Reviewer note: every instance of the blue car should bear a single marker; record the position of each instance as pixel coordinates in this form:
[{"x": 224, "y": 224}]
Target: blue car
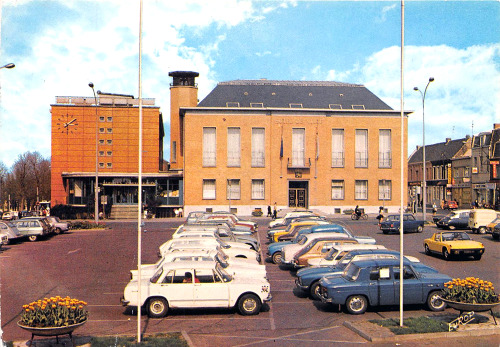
[
  {"x": 308, "y": 278},
  {"x": 376, "y": 283}
]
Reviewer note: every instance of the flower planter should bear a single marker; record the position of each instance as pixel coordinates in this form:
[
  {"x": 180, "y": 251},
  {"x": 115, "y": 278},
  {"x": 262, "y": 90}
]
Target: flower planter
[
  {"x": 464, "y": 306},
  {"x": 52, "y": 331}
]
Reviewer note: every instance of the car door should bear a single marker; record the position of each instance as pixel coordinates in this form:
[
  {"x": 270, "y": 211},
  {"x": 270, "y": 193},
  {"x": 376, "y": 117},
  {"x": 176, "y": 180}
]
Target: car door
[
  {"x": 435, "y": 244},
  {"x": 412, "y": 286},
  {"x": 381, "y": 285},
  {"x": 175, "y": 289},
  {"x": 211, "y": 291},
  {"x": 463, "y": 220},
  {"x": 410, "y": 224}
]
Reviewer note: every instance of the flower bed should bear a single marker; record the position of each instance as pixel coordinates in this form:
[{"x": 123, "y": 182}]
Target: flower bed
[
  {"x": 54, "y": 312},
  {"x": 470, "y": 290}
]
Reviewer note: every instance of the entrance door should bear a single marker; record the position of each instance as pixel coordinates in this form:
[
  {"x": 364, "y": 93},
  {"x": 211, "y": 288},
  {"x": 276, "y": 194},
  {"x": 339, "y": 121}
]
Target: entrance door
[{"x": 298, "y": 194}]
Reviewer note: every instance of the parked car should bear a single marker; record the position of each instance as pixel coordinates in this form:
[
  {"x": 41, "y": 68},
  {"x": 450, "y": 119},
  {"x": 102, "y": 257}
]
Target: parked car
[
  {"x": 8, "y": 215},
  {"x": 453, "y": 243},
  {"x": 480, "y": 218},
  {"x": 338, "y": 252},
  {"x": 33, "y": 228},
  {"x": 376, "y": 283},
  {"x": 10, "y": 230},
  {"x": 289, "y": 251},
  {"x": 4, "y": 238},
  {"x": 336, "y": 227},
  {"x": 318, "y": 248},
  {"x": 496, "y": 232},
  {"x": 491, "y": 226},
  {"x": 234, "y": 266},
  {"x": 197, "y": 285},
  {"x": 410, "y": 224},
  {"x": 290, "y": 215},
  {"x": 458, "y": 219},
  {"x": 294, "y": 227},
  {"x": 225, "y": 235},
  {"x": 450, "y": 205},
  {"x": 58, "y": 226},
  {"x": 308, "y": 278},
  {"x": 274, "y": 250}
]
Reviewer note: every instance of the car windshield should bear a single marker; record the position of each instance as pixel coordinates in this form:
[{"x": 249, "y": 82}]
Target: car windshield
[
  {"x": 223, "y": 274},
  {"x": 455, "y": 236},
  {"x": 156, "y": 276},
  {"x": 351, "y": 272},
  {"x": 221, "y": 261},
  {"x": 302, "y": 239},
  {"x": 223, "y": 244},
  {"x": 221, "y": 254}
]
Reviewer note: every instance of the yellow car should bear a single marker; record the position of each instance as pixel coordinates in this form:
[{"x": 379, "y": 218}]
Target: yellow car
[
  {"x": 453, "y": 243},
  {"x": 492, "y": 225},
  {"x": 290, "y": 232}
]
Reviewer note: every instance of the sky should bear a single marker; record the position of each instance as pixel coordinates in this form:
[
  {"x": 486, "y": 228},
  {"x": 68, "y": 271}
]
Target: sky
[{"x": 60, "y": 46}]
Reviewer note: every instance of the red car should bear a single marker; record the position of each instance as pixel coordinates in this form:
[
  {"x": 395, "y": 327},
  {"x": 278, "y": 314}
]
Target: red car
[{"x": 450, "y": 205}]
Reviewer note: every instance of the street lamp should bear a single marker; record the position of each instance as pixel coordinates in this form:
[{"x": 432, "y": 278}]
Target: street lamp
[
  {"x": 96, "y": 188},
  {"x": 424, "y": 182},
  {"x": 8, "y": 66}
]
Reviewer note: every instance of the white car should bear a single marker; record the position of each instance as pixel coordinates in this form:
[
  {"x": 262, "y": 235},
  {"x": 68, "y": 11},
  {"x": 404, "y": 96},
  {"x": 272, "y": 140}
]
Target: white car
[
  {"x": 279, "y": 221},
  {"x": 235, "y": 251},
  {"x": 197, "y": 285},
  {"x": 337, "y": 252},
  {"x": 234, "y": 266},
  {"x": 224, "y": 235},
  {"x": 289, "y": 251}
]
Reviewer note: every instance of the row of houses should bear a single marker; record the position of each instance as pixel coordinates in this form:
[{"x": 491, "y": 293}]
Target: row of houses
[
  {"x": 465, "y": 170},
  {"x": 248, "y": 144}
]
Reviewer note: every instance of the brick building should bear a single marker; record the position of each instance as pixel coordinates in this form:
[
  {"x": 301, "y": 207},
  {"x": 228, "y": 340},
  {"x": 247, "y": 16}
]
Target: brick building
[
  {"x": 116, "y": 118},
  {"x": 327, "y": 146}
]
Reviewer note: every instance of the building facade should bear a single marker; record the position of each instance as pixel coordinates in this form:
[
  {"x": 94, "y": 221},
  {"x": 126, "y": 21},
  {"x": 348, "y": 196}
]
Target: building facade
[
  {"x": 326, "y": 146},
  {"x": 103, "y": 132}
]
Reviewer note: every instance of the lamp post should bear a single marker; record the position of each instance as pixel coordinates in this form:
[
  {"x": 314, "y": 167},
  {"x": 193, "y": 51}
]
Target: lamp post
[
  {"x": 424, "y": 182},
  {"x": 96, "y": 188},
  {"x": 8, "y": 66}
]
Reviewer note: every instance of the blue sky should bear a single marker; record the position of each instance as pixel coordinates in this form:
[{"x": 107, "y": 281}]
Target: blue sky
[{"x": 60, "y": 46}]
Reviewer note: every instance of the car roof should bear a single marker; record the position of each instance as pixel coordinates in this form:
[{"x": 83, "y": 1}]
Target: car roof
[
  {"x": 327, "y": 226},
  {"x": 191, "y": 252},
  {"x": 374, "y": 251},
  {"x": 360, "y": 246},
  {"x": 183, "y": 264},
  {"x": 380, "y": 262},
  {"x": 316, "y": 236}
]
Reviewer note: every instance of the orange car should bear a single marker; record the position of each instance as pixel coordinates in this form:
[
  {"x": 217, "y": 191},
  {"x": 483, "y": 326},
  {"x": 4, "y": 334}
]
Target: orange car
[{"x": 318, "y": 249}]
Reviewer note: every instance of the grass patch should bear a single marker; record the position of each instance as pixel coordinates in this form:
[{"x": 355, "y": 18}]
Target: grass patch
[
  {"x": 84, "y": 224},
  {"x": 420, "y": 325},
  {"x": 172, "y": 339}
]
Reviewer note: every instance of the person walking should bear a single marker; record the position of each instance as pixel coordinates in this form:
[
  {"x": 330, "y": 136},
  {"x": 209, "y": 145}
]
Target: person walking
[
  {"x": 269, "y": 213},
  {"x": 275, "y": 211}
]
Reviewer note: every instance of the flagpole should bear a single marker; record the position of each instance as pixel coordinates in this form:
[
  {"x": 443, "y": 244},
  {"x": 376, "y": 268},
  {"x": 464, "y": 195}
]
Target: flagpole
[
  {"x": 401, "y": 207},
  {"x": 139, "y": 199}
]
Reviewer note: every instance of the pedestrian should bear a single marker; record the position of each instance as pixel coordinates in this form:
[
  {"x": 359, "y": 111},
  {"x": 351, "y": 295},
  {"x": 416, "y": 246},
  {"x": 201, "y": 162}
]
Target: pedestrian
[
  {"x": 434, "y": 209},
  {"x": 269, "y": 213},
  {"x": 380, "y": 216},
  {"x": 275, "y": 211}
]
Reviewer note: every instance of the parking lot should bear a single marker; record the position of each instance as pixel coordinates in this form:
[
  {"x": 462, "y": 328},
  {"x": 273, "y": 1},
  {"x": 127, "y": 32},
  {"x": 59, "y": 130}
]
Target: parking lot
[{"x": 93, "y": 265}]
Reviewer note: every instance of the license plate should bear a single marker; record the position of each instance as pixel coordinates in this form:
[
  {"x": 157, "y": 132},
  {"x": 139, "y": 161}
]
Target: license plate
[{"x": 469, "y": 252}]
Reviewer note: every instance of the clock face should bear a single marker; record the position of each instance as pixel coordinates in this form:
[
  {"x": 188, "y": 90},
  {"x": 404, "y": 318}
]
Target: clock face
[{"x": 67, "y": 124}]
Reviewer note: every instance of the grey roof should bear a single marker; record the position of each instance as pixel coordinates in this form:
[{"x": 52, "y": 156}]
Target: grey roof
[
  {"x": 495, "y": 143},
  {"x": 293, "y": 94},
  {"x": 438, "y": 151}
]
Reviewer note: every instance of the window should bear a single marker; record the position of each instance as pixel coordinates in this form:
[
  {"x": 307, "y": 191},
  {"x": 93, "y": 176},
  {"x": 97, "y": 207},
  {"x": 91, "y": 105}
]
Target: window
[
  {"x": 109, "y": 142},
  {"x": 209, "y": 147},
  {"x": 101, "y": 130},
  {"x": 385, "y": 190},
  {"x": 337, "y": 190},
  {"x": 256, "y": 104},
  {"x": 110, "y": 130},
  {"x": 109, "y": 153},
  {"x": 258, "y": 147},
  {"x": 233, "y": 147},
  {"x": 101, "y": 119},
  {"x": 233, "y": 190},
  {"x": 110, "y": 119},
  {"x": 338, "y": 148},
  {"x": 298, "y": 147},
  {"x": 101, "y": 153},
  {"x": 361, "y": 190},
  {"x": 109, "y": 165},
  {"x": 101, "y": 165},
  {"x": 257, "y": 189},
  {"x": 209, "y": 189},
  {"x": 101, "y": 142},
  {"x": 361, "y": 148},
  {"x": 174, "y": 151},
  {"x": 384, "y": 150}
]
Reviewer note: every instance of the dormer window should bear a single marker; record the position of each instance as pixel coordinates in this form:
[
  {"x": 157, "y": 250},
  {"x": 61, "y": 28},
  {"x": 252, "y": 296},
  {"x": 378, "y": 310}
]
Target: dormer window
[
  {"x": 232, "y": 104},
  {"x": 295, "y": 105}
]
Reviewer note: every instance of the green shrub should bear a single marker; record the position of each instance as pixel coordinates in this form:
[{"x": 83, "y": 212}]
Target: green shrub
[
  {"x": 84, "y": 224},
  {"x": 419, "y": 325}
]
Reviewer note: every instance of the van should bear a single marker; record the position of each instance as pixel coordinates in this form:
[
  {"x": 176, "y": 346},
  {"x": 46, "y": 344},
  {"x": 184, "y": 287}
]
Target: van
[{"x": 480, "y": 218}]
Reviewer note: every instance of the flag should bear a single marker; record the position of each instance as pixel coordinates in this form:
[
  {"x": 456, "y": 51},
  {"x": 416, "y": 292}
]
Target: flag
[{"x": 281, "y": 148}]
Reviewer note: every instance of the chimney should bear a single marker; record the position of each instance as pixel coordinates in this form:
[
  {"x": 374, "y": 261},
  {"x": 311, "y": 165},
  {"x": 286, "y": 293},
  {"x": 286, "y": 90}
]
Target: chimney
[
  {"x": 448, "y": 139},
  {"x": 496, "y": 125},
  {"x": 183, "y": 93}
]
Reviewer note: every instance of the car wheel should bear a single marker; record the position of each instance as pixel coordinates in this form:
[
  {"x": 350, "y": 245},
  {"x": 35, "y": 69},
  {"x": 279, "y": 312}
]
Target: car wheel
[
  {"x": 249, "y": 304},
  {"x": 427, "y": 250},
  {"x": 434, "y": 302},
  {"x": 33, "y": 238},
  {"x": 157, "y": 308},
  {"x": 277, "y": 258},
  {"x": 477, "y": 256},
  {"x": 385, "y": 231},
  {"x": 420, "y": 229},
  {"x": 495, "y": 236},
  {"x": 356, "y": 304},
  {"x": 451, "y": 227},
  {"x": 446, "y": 254},
  {"x": 57, "y": 231},
  {"x": 314, "y": 290},
  {"x": 482, "y": 230}
]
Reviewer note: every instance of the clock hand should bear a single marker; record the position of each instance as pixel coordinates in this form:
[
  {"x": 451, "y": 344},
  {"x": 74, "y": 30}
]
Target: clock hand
[{"x": 71, "y": 121}]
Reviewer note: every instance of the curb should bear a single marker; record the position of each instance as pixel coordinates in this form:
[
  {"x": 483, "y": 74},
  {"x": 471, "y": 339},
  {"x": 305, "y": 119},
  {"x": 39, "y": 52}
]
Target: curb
[{"x": 375, "y": 333}]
